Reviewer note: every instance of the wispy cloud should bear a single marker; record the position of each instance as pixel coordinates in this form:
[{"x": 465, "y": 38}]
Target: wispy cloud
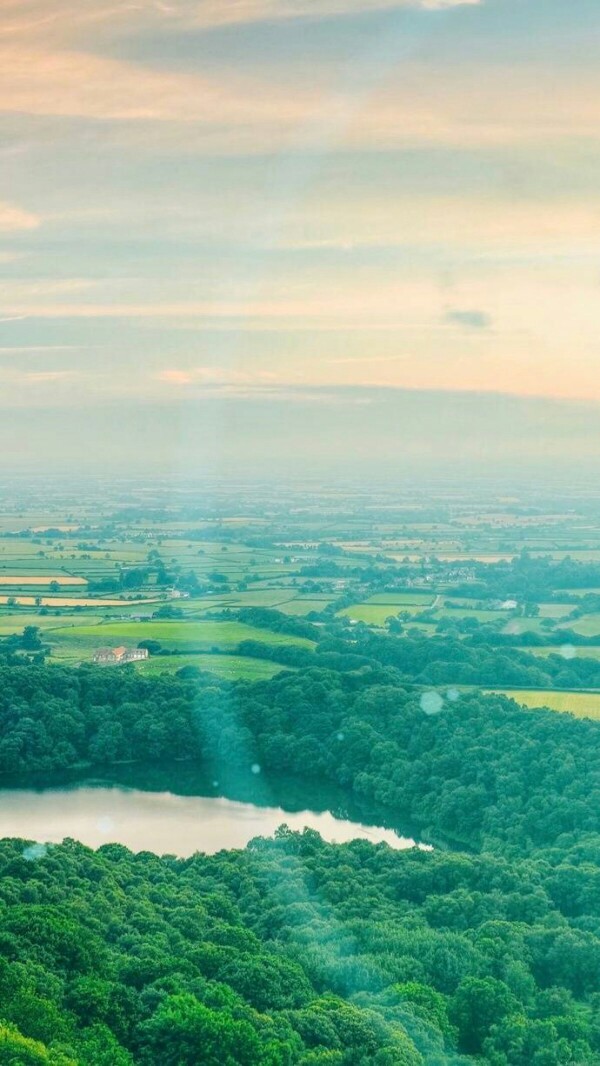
[
  {"x": 52, "y": 64},
  {"x": 70, "y": 18},
  {"x": 214, "y": 376},
  {"x": 55, "y": 60},
  {"x": 216, "y": 13},
  {"x": 44, "y": 376},
  {"x": 223, "y": 383},
  {"x": 378, "y": 218},
  {"x": 452, "y": 169},
  {"x": 175, "y": 377},
  {"x": 322, "y": 303},
  {"x": 14, "y": 218},
  {"x": 17, "y": 378},
  {"x": 48, "y": 18},
  {"x": 79, "y": 84},
  {"x": 228, "y": 113},
  {"x": 28, "y": 349},
  {"x": 23, "y": 289}
]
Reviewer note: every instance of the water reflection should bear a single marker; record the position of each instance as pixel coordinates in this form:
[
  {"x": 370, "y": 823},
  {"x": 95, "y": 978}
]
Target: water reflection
[{"x": 164, "y": 822}]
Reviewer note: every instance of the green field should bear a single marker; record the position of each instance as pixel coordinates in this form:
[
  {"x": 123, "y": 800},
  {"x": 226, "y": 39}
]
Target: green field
[
  {"x": 230, "y": 667},
  {"x": 555, "y": 610},
  {"x": 580, "y": 592},
  {"x": 80, "y": 642},
  {"x": 14, "y": 622},
  {"x": 469, "y": 612},
  {"x": 285, "y": 600},
  {"x": 527, "y": 625},
  {"x": 401, "y": 599},
  {"x": 581, "y": 704},
  {"x": 373, "y": 614},
  {"x": 574, "y": 652},
  {"x": 589, "y": 626},
  {"x": 303, "y": 605}
]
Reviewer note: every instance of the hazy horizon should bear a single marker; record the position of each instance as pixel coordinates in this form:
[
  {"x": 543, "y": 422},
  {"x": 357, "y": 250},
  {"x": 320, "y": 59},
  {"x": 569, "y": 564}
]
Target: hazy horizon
[{"x": 343, "y": 432}]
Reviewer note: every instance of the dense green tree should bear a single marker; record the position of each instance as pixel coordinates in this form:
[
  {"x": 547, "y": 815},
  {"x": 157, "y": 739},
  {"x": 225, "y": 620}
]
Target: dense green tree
[{"x": 479, "y": 1004}]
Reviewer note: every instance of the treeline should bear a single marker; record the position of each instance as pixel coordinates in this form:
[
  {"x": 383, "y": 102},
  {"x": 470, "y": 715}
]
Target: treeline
[
  {"x": 468, "y": 661},
  {"x": 468, "y": 768},
  {"x": 291, "y": 953},
  {"x": 492, "y": 633},
  {"x": 339, "y": 656},
  {"x": 278, "y": 622},
  {"x": 533, "y": 579},
  {"x": 486, "y": 659}
]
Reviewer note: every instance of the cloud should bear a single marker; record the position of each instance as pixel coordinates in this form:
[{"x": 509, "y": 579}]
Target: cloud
[
  {"x": 36, "y": 81},
  {"x": 479, "y": 104},
  {"x": 175, "y": 377},
  {"x": 13, "y": 218},
  {"x": 47, "y": 68},
  {"x": 230, "y": 382},
  {"x": 55, "y": 61},
  {"x": 216, "y": 377},
  {"x": 21, "y": 379},
  {"x": 484, "y": 224},
  {"x": 471, "y": 319},
  {"x": 25, "y": 289},
  {"x": 27, "y": 349},
  {"x": 211, "y": 13},
  {"x": 325, "y": 301},
  {"x": 69, "y": 19},
  {"x": 44, "y": 376}
]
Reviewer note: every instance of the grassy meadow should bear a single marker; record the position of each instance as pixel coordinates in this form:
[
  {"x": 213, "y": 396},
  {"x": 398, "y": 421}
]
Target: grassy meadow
[
  {"x": 230, "y": 667},
  {"x": 580, "y": 704},
  {"x": 79, "y": 642}
]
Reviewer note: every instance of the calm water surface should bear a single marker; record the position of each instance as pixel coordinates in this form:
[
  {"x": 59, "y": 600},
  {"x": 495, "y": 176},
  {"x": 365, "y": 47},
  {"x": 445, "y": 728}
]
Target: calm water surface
[{"x": 163, "y": 822}]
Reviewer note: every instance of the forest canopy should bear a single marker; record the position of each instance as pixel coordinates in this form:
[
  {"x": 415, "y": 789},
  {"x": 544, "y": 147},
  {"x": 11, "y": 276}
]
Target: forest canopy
[{"x": 294, "y": 951}]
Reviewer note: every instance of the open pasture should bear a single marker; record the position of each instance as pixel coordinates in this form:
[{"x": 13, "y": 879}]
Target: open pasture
[
  {"x": 584, "y": 555},
  {"x": 515, "y": 626},
  {"x": 229, "y": 667},
  {"x": 580, "y": 592},
  {"x": 70, "y": 601},
  {"x": 470, "y": 612},
  {"x": 272, "y": 598},
  {"x": 588, "y": 626},
  {"x": 580, "y": 704},
  {"x": 373, "y": 614},
  {"x": 569, "y": 651},
  {"x": 473, "y": 556},
  {"x": 556, "y": 610},
  {"x": 401, "y": 599},
  {"x": 13, "y": 622},
  {"x": 41, "y": 580},
  {"x": 287, "y": 600},
  {"x": 303, "y": 605},
  {"x": 184, "y": 636}
]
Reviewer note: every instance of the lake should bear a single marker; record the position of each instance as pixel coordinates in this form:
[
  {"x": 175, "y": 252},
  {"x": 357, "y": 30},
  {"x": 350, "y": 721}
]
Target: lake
[{"x": 163, "y": 822}]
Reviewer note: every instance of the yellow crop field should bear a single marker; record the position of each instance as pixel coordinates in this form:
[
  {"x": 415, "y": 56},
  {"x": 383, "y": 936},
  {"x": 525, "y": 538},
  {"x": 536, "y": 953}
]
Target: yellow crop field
[
  {"x": 581, "y": 704},
  {"x": 34, "y": 579},
  {"x": 70, "y": 601}
]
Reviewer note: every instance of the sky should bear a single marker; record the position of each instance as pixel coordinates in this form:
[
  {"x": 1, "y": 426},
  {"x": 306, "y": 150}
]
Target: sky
[{"x": 279, "y": 217}]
